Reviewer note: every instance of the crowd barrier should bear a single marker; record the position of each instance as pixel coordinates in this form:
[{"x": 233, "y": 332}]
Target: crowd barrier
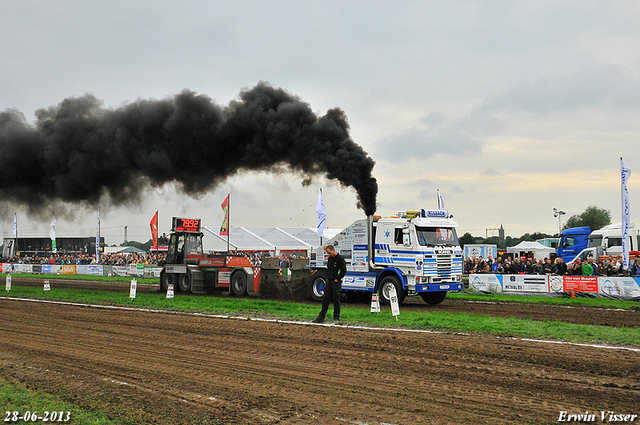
[
  {"x": 139, "y": 270},
  {"x": 613, "y": 286}
]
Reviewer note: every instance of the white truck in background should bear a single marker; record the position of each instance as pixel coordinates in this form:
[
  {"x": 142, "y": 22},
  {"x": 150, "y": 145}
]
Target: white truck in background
[
  {"x": 417, "y": 252},
  {"x": 608, "y": 241}
]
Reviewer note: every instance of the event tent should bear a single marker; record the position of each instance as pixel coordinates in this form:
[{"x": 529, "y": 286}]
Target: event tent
[
  {"x": 539, "y": 251},
  {"x": 273, "y": 239}
]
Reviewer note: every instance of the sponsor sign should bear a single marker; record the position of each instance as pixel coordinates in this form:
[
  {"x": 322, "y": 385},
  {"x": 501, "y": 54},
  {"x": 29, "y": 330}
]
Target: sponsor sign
[
  {"x": 8, "y": 283},
  {"x": 170, "y": 291},
  {"x": 580, "y": 284},
  {"x": 395, "y": 305},
  {"x": 133, "y": 288},
  {"x": 47, "y": 286},
  {"x": 176, "y": 269},
  {"x": 486, "y": 282},
  {"x": 525, "y": 283},
  {"x": 69, "y": 269},
  {"x": 359, "y": 260},
  {"x": 375, "y": 303}
]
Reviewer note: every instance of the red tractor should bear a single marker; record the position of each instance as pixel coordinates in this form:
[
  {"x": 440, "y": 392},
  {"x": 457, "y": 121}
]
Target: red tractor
[{"x": 189, "y": 270}]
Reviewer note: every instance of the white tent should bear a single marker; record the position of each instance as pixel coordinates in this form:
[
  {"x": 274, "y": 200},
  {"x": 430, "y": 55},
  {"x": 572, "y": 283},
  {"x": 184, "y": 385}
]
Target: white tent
[
  {"x": 539, "y": 251},
  {"x": 274, "y": 239}
]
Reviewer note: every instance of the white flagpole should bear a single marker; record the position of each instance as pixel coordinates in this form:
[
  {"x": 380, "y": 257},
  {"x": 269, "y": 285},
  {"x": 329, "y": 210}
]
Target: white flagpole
[
  {"x": 626, "y": 213},
  {"x": 98, "y": 239},
  {"x": 322, "y": 216}
]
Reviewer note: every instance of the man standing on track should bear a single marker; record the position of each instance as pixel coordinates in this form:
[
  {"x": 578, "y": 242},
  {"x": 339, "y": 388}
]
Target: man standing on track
[{"x": 336, "y": 269}]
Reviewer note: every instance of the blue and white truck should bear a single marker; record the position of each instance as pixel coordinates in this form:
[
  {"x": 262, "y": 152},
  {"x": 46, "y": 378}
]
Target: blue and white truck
[
  {"x": 572, "y": 242},
  {"x": 417, "y": 252}
]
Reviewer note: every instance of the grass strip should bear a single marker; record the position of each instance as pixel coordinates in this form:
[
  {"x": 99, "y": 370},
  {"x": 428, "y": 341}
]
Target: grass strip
[
  {"x": 427, "y": 320},
  {"x": 16, "y": 401},
  {"x": 577, "y": 301},
  {"x": 83, "y": 277}
]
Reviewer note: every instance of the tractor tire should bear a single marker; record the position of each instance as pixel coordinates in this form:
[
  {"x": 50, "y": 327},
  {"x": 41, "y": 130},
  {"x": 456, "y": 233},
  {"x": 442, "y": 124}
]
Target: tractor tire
[
  {"x": 239, "y": 283},
  {"x": 166, "y": 279},
  {"x": 184, "y": 282},
  {"x": 317, "y": 281},
  {"x": 385, "y": 290},
  {"x": 433, "y": 298}
]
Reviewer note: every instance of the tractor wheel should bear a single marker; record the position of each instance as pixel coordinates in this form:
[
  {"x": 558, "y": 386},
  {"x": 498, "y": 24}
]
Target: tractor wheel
[
  {"x": 433, "y": 298},
  {"x": 239, "y": 283},
  {"x": 317, "y": 281},
  {"x": 385, "y": 290},
  {"x": 166, "y": 279},
  {"x": 184, "y": 282}
]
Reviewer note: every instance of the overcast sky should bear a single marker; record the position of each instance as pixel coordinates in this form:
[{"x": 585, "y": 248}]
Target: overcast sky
[{"x": 510, "y": 108}]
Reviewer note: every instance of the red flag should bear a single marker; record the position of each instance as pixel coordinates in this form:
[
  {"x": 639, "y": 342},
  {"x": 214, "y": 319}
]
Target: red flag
[
  {"x": 154, "y": 230},
  {"x": 224, "y": 228}
]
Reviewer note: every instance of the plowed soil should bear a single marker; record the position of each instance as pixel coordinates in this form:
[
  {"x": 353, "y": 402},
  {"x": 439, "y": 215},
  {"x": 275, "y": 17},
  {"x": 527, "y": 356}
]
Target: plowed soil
[{"x": 168, "y": 368}]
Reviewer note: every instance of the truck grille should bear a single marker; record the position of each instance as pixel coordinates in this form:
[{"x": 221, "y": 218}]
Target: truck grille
[{"x": 444, "y": 262}]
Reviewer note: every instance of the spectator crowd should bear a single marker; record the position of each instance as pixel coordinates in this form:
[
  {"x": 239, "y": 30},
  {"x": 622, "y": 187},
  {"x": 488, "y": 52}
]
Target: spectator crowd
[
  {"x": 83, "y": 259},
  {"x": 524, "y": 265}
]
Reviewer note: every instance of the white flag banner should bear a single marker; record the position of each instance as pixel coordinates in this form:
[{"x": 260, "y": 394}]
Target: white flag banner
[
  {"x": 52, "y": 234},
  {"x": 626, "y": 214},
  {"x": 98, "y": 239},
  {"x": 322, "y": 215},
  {"x": 15, "y": 225}
]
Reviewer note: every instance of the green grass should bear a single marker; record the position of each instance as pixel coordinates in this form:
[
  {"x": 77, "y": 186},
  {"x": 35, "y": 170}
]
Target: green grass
[
  {"x": 14, "y": 397},
  {"x": 45, "y": 276},
  {"x": 577, "y": 301},
  {"x": 352, "y": 314}
]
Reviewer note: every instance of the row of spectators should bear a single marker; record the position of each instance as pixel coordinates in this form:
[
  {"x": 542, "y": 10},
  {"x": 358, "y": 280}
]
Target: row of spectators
[
  {"x": 84, "y": 259},
  {"x": 114, "y": 259},
  {"x": 589, "y": 267}
]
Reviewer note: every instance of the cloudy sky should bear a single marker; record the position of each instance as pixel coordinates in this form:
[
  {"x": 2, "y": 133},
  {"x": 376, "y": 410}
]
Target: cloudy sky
[{"x": 511, "y": 109}]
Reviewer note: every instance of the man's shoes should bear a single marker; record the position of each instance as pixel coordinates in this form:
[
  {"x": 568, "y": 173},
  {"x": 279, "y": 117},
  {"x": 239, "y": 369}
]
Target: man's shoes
[
  {"x": 337, "y": 321},
  {"x": 318, "y": 320}
]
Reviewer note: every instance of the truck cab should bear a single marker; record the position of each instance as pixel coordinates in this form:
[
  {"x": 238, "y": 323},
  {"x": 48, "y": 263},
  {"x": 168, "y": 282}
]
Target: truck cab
[
  {"x": 572, "y": 242},
  {"x": 417, "y": 253}
]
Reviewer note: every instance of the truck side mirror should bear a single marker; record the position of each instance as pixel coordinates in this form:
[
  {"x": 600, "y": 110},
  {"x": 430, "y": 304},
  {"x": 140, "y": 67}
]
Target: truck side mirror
[{"x": 406, "y": 240}]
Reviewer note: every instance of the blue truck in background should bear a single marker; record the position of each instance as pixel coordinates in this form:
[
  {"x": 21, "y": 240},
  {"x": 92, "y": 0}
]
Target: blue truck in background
[{"x": 573, "y": 241}]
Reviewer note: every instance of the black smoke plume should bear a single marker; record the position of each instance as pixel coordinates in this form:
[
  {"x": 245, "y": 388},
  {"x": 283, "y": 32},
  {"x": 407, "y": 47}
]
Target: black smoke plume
[{"x": 80, "y": 152}]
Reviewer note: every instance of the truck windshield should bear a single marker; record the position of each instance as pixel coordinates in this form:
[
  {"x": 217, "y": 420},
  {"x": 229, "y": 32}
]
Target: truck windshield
[
  {"x": 432, "y": 236},
  {"x": 194, "y": 245},
  {"x": 595, "y": 241}
]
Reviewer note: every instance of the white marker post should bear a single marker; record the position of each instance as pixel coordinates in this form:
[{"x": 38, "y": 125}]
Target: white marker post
[
  {"x": 170, "y": 291},
  {"x": 395, "y": 306},
  {"x": 47, "y": 286},
  {"x": 8, "y": 282},
  {"x": 134, "y": 287},
  {"x": 375, "y": 303}
]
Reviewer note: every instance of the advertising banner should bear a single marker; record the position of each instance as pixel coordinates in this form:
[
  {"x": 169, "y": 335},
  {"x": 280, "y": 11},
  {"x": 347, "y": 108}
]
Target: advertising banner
[
  {"x": 580, "y": 284},
  {"x": 486, "y": 282},
  {"x": 525, "y": 283},
  {"x": 90, "y": 269},
  {"x": 69, "y": 269}
]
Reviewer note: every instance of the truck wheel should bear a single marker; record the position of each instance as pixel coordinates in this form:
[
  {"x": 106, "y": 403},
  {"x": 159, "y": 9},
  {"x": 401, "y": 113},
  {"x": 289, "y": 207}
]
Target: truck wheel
[
  {"x": 184, "y": 282},
  {"x": 317, "y": 282},
  {"x": 166, "y": 279},
  {"x": 239, "y": 283},
  {"x": 385, "y": 290},
  {"x": 433, "y": 298}
]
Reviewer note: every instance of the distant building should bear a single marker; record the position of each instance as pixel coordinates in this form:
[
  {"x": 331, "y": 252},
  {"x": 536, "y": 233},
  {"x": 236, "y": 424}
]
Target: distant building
[{"x": 501, "y": 233}]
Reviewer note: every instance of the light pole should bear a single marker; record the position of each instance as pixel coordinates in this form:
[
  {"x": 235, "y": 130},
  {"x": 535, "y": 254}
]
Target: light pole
[{"x": 558, "y": 213}]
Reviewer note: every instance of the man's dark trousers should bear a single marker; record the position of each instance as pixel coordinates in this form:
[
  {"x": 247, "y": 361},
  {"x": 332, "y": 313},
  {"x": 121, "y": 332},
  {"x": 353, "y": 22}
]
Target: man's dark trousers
[{"x": 332, "y": 291}]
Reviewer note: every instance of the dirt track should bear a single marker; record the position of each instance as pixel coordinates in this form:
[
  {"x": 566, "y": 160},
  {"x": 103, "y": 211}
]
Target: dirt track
[{"x": 170, "y": 368}]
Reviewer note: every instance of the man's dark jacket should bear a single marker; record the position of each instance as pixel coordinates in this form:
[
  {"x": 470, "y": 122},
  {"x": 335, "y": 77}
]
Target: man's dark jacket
[{"x": 336, "y": 267}]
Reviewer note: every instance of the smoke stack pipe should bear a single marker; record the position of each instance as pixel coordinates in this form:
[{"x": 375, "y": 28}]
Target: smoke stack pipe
[{"x": 371, "y": 244}]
